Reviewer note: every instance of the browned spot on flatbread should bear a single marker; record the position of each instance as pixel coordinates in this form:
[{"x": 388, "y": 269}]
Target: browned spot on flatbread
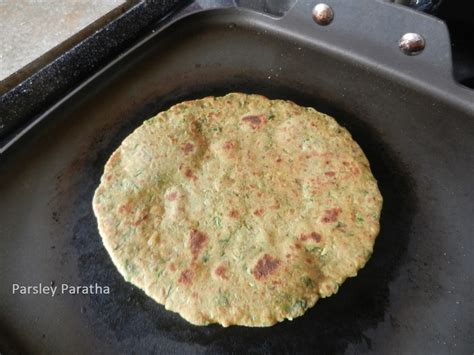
[
  {"x": 255, "y": 121},
  {"x": 172, "y": 196},
  {"x": 172, "y": 267},
  {"x": 126, "y": 208},
  {"x": 197, "y": 240},
  {"x": 186, "y": 277},
  {"x": 221, "y": 271},
  {"x": 197, "y": 135},
  {"x": 187, "y": 148},
  {"x": 228, "y": 145},
  {"x": 259, "y": 212},
  {"x": 233, "y": 214},
  {"x": 265, "y": 266},
  {"x": 330, "y": 173},
  {"x": 141, "y": 218},
  {"x": 313, "y": 235},
  {"x": 331, "y": 215},
  {"x": 189, "y": 174},
  {"x": 173, "y": 139},
  {"x": 353, "y": 216}
]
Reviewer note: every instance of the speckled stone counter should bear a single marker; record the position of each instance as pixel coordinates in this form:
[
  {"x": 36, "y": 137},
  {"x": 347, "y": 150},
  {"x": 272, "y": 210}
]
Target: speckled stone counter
[{"x": 29, "y": 28}]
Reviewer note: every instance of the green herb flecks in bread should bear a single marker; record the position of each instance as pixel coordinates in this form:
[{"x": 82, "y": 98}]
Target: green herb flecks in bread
[{"x": 238, "y": 209}]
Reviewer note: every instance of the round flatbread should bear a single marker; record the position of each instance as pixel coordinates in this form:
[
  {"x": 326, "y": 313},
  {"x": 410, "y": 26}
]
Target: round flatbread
[{"x": 238, "y": 209}]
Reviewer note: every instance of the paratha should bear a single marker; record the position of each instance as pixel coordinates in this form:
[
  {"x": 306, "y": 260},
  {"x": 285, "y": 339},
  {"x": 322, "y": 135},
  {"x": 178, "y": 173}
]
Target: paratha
[{"x": 238, "y": 209}]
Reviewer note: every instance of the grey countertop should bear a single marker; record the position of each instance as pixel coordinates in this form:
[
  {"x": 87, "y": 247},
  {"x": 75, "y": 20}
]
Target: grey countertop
[{"x": 29, "y": 28}]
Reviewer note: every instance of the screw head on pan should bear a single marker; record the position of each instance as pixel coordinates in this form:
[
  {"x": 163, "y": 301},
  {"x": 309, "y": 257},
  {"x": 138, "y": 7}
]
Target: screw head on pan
[
  {"x": 322, "y": 14},
  {"x": 411, "y": 43}
]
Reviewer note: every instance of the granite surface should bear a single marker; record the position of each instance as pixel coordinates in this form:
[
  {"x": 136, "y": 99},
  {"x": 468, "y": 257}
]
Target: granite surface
[
  {"x": 29, "y": 28},
  {"x": 30, "y": 91}
]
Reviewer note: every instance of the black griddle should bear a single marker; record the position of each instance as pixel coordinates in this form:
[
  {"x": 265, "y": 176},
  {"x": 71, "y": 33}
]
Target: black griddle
[{"x": 415, "y": 124}]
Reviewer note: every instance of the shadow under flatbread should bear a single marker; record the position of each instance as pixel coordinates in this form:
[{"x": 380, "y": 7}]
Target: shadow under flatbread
[{"x": 329, "y": 327}]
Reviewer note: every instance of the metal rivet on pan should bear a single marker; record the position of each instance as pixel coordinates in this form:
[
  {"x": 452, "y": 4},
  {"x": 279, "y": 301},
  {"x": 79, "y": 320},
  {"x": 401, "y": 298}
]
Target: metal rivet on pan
[
  {"x": 322, "y": 14},
  {"x": 411, "y": 43}
]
